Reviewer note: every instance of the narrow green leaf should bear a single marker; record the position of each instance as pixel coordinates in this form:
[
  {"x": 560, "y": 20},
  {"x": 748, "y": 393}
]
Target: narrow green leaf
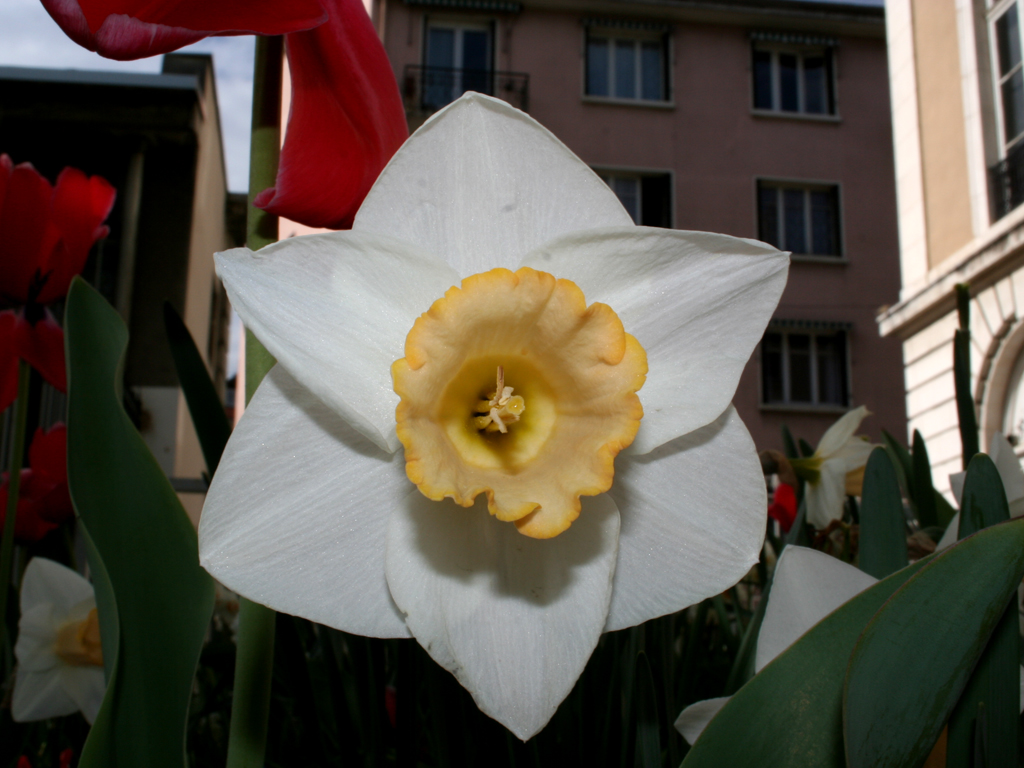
[
  {"x": 648, "y": 737},
  {"x": 789, "y": 444},
  {"x": 964, "y": 399},
  {"x": 993, "y": 688},
  {"x": 147, "y": 546},
  {"x": 916, "y": 654},
  {"x": 924, "y": 491},
  {"x": 963, "y": 305},
  {"x": 790, "y": 714},
  {"x": 806, "y": 449},
  {"x": 902, "y": 462},
  {"x": 798, "y": 531},
  {"x": 204, "y": 404},
  {"x": 883, "y": 538}
]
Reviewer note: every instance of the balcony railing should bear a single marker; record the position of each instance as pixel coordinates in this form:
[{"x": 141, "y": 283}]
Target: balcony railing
[
  {"x": 427, "y": 89},
  {"x": 1007, "y": 182}
]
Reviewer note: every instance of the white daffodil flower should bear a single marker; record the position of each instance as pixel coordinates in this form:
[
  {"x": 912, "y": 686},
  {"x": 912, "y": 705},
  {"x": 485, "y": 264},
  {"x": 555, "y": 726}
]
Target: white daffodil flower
[
  {"x": 60, "y": 661},
  {"x": 835, "y": 469},
  {"x": 808, "y": 585},
  {"x": 1008, "y": 465},
  {"x": 513, "y": 397}
]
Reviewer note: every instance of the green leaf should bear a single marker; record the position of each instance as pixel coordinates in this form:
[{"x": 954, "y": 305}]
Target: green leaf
[
  {"x": 806, "y": 449},
  {"x": 902, "y": 462},
  {"x": 943, "y": 510},
  {"x": 924, "y": 491},
  {"x": 648, "y": 738},
  {"x": 916, "y": 654},
  {"x": 147, "y": 546},
  {"x": 993, "y": 688},
  {"x": 964, "y": 400},
  {"x": 790, "y": 714},
  {"x": 789, "y": 444},
  {"x": 204, "y": 404},
  {"x": 883, "y": 538}
]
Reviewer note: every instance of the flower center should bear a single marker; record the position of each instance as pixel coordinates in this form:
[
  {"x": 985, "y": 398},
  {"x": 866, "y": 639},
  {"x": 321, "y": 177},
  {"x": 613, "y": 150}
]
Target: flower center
[
  {"x": 78, "y": 642},
  {"x": 467, "y": 431},
  {"x": 500, "y": 409}
]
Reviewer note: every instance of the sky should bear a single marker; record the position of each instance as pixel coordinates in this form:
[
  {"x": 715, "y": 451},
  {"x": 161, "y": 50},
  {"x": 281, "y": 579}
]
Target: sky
[{"x": 30, "y": 38}]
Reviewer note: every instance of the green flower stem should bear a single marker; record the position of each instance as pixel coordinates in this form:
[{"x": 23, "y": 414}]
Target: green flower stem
[
  {"x": 254, "y": 664},
  {"x": 13, "y": 489}
]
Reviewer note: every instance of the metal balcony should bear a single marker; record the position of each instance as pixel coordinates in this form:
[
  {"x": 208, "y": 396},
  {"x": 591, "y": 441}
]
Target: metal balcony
[
  {"x": 1006, "y": 179},
  {"x": 427, "y": 89}
]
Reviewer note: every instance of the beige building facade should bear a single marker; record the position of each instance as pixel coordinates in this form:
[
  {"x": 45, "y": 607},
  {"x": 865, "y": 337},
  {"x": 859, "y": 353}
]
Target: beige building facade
[{"x": 957, "y": 88}]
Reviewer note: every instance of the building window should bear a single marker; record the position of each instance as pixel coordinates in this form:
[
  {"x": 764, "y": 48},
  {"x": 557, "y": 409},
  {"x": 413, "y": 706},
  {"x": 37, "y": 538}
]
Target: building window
[
  {"x": 647, "y": 197},
  {"x": 621, "y": 67},
  {"x": 800, "y": 219},
  {"x": 457, "y": 58},
  {"x": 1010, "y": 76},
  {"x": 793, "y": 80},
  {"x": 804, "y": 368}
]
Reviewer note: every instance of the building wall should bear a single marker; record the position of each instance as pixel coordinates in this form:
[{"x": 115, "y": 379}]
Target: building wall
[
  {"x": 716, "y": 148},
  {"x": 943, "y": 141}
]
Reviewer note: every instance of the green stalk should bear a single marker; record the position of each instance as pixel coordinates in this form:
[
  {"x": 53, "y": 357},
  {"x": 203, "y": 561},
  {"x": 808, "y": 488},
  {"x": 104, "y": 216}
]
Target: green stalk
[
  {"x": 254, "y": 664},
  {"x": 13, "y": 489}
]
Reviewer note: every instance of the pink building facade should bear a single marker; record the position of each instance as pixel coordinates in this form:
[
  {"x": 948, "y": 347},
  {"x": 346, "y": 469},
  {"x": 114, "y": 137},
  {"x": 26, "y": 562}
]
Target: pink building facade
[{"x": 766, "y": 120}]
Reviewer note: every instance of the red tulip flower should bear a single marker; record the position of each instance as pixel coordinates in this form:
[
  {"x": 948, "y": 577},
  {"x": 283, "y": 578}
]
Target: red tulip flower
[
  {"x": 45, "y": 235},
  {"x": 346, "y": 119},
  {"x": 44, "y": 501},
  {"x": 783, "y": 506}
]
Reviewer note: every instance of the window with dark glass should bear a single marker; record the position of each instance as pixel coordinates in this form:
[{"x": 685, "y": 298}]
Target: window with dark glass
[
  {"x": 804, "y": 368},
  {"x": 793, "y": 81},
  {"x": 647, "y": 197},
  {"x": 621, "y": 67},
  {"x": 457, "y": 59},
  {"x": 1011, "y": 75},
  {"x": 801, "y": 219}
]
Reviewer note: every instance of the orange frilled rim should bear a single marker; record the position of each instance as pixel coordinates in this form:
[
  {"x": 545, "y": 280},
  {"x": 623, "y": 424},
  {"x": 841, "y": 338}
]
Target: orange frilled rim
[{"x": 576, "y": 369}]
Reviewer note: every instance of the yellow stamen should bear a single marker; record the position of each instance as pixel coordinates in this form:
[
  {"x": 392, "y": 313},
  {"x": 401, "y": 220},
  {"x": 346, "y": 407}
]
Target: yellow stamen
[
  {"x": 501, "y": 409},
  {"x": 78, "y": 642}
]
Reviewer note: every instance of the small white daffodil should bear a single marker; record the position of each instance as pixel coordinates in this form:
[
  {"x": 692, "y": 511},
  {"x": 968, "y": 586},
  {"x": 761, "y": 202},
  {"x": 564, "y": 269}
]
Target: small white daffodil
[
  {"x": 60, "y": 661},
  {"x": 501, "y": 417},
  {"x": 835, "y": 469}
]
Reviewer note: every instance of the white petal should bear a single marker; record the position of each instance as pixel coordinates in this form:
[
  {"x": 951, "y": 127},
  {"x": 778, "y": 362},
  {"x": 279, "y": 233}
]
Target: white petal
[
  {"x": 695, "y": 718},
  {"x": 949, "y": 537},
  {"x": 693, "y": 520},
  {"x": 513, "y": 618},
  {"x": 334, "y": 310},
  {"x": 86, "y": 687},
  {"x": 825, "y": 498},
  {"x": 482, "y": 183},
  {"x": 48, "y": 582},
  {"x": 841, "y": 432},
  {"x": 296, "y": 516},
  {"x": 37, "y": 632},
  {"x": 40, "y": 695},
  {"x": 1008, "y": 464},
  {"x": 854, "y": 454},
  {"x": 808, "y": 585},
  {"x": 697, "y": 302}
]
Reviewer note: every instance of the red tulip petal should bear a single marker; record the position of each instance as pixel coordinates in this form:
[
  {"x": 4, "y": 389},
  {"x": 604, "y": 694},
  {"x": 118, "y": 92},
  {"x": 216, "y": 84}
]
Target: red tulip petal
[
  {"x": 41, "y": 345},
  {"x": 48, "y": 454},
  {"x": 134, "y": 29},
  {"x": 29, "y": 525},
  {"x": 346, "y": 120},
  {"x": 27, "y": 230},
  {"x": 80, "y": 206},
  {"x": 8, "y": 360}
]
